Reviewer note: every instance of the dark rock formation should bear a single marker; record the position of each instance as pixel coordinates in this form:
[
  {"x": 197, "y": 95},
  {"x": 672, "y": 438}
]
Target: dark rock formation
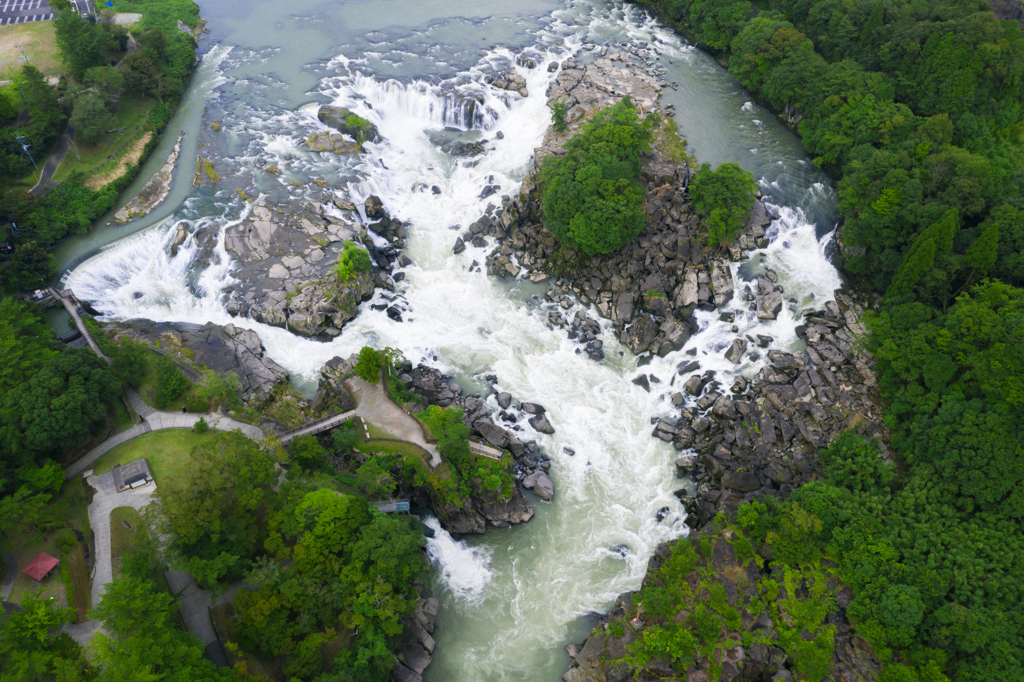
[
  {"x": 341, "y": 119},
  {"x": 224, "y": 350}
]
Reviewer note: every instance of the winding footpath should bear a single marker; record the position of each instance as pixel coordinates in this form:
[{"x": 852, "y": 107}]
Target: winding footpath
[{"x": 155, "y": 420}]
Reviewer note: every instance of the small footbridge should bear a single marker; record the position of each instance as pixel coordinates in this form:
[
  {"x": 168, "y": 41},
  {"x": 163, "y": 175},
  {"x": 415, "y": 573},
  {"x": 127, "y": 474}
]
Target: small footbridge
[{"x": 319, "y": 426}]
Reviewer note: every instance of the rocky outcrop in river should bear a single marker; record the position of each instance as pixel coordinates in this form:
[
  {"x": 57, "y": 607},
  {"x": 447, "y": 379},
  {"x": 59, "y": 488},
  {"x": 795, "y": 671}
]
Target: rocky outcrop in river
[
  {"x": 762, "y": 437},
  {"x": 223, "y": 349},
  {"x": 287, "y": 261},
  {"x": 649, "y": 288}
]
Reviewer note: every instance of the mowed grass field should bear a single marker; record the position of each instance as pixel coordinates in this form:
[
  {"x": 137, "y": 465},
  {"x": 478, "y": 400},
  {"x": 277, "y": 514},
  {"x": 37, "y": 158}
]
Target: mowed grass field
[
  {"x": 39, "y": 43},
  {"x": 168, "y": 452}
]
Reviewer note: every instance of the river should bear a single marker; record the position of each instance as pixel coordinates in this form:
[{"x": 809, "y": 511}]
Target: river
[{"x": 510, "y": 599}]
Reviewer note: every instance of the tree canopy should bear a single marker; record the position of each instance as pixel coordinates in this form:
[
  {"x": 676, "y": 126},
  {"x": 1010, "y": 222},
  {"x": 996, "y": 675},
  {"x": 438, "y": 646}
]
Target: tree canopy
[
  {"x": 592, "y": 196},
  {"x": 725, "y": 197}
]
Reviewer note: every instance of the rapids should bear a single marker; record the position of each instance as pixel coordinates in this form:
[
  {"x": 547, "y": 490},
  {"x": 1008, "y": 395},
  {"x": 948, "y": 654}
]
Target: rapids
[{"x": 510, "y": 599}]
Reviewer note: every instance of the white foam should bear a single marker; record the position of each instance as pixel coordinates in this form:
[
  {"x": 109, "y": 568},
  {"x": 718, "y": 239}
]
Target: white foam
[{"x": 462, "y": 570}]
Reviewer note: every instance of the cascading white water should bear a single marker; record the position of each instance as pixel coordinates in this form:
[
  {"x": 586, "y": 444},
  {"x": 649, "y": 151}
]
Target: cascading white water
[
  {"x": 463, "y": 569},
  {"x": 511, "y": 598}
]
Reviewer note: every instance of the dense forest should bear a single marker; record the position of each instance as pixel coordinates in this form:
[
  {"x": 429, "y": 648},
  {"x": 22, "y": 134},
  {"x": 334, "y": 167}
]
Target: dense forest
[{"x": 915, "y": 109}]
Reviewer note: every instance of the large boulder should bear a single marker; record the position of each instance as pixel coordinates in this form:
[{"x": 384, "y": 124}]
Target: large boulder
[
  {"x": 345, "y": 121},
  {"x": 224, "y": 349}
]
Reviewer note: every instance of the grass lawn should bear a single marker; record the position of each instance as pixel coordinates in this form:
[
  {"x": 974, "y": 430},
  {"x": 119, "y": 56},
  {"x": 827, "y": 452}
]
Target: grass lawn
[
  {"x": 122, "y": 537},
  {"x": 101, "y": 159},
  {"x": 39, "y": 43},
  {"x": 166, "y": 451}
]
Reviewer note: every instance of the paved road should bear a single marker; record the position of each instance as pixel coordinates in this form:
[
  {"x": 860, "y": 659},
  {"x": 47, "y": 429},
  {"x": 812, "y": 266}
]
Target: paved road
[
  {"x": 377, "y": 408},
  {"x": 12, "y": 573},
  {"x": 24, "y": 11},
  {"x": 53, "y": 160}
]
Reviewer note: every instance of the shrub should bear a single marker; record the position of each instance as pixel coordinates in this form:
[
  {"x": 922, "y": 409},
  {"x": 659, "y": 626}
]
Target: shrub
[
  {"x": 593, "y": 196},
  {"x": 131, "y": 360},
  {"x": 369, "y": 365},
  {"x": 352, "y": 261},
  {"x": 345, "y": 437},
  {"x": 724, "y": 196},
  {"x": 201, "y": 426},
  {"x": 170, "y": 382},
  {"x": 558, "y": 114},
  {"x": 197, "y": 405}
]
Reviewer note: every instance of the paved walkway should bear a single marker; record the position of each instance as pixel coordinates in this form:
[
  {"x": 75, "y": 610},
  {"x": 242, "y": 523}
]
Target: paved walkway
[
  {"x": 195, "y": 603},
  {"x": 12, "y": 573},
  {"x": 71, "y": 305},
  {"x": 104, "y": 501},
  {"x": 53, "y": 160},
  {"x": 154, "y": 420},
  {"x": 380, "y": 410}
]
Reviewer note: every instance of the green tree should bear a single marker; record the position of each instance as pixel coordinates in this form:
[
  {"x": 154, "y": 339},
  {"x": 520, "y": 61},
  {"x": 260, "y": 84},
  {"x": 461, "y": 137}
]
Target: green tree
[
  {"x": 307, "y": 450},
  {"x": 345, "y": 437},
  {"x": 63, "y": 403},
  {"x": 725, "y": 197},
  {"x": 140, "y": 641},
  {"x": 32, "y": 264},
  {"x": 374, "y": 478},
  {"x": 170, "y": 382},
  {"x": 222, "y": 388},
  {"x": 33, "y": 648},
  {"x": 91, "y": 118},
  {"x": 131, "y": 361},
  {"x": 558, "y": 114},
  {"x": 331, "y": 523},
  {"x": 369, "y": 365},
  {"x": 207, "y": 513},
  {"x": 592, "y": 196},
  {"x": 81, "y": 41},
  {"x": 108, "y": 82},
  {"x": 26, "y": 342}
]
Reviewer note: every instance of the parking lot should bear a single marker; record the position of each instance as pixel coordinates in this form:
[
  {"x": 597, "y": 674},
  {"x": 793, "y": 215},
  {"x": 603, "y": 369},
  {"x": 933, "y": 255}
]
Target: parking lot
[{"x": 23, "y": 11}]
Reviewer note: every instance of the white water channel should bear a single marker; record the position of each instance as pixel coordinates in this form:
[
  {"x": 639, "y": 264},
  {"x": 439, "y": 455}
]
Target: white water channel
[{"x": 511, "y": 599}]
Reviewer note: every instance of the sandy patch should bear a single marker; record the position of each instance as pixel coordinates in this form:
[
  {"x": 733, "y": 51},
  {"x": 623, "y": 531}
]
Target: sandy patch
[
  {"x": 126, "y": 18},
  {"x": 129, "y": 158}
]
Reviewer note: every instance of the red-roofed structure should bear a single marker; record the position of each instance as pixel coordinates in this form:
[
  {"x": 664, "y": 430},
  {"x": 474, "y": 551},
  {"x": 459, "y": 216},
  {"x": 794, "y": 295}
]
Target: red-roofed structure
[{"x": 40, "y": 567}]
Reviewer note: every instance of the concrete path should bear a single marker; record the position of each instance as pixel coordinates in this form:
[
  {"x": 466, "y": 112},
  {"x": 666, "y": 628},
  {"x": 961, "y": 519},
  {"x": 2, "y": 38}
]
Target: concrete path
[
  {"x": 52, "y": 161},
  {"x": 195, "y": 609},
  {"x": 380, "y": 410},
  {"x": 154, "y": 420},
  {"x": 71, "y": 305},
  {"x": 104, "y": 501},
  {"x": 12, "y": 573},
  {"x": 103, "y": 448}
]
